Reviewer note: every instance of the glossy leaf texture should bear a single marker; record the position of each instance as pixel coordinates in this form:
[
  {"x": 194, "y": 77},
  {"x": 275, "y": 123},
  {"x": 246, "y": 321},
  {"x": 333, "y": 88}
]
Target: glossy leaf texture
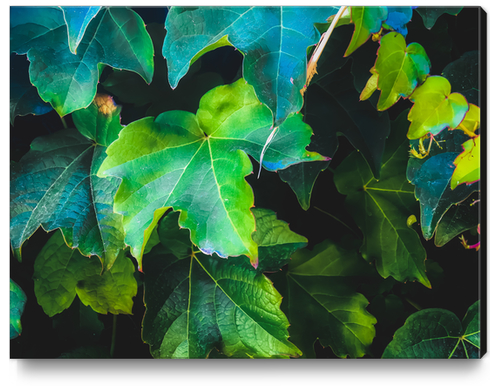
[
  {"x": 381, "y": 208},
  {"x": 62, "y": 273},
  {"x": 456, "y": 220},
  {"x": 321, "y": 302},
  {"x": 367, "y": 20},
  {"x": 24, "y": 98},
  {"x": 333, "y": 108},
  {"x": 18, "y": 300},
  {"x": 77, "y": 20},
  {"x": 400, "y": 69},
  {"x": 55, "y": 186},
  {"x": 273, "y": 40},
  {"x": 115, "y": 36},
  {"x": 437, "y": 333},
  {"x": 157, "y": 97},
  {"x": 431, "y": 14},
  {"x": 398, "y": 18},
  {"x": 196, "y": 302},
  {"x": 197, "y": 164},
  {"x": 432, "y": 175},
  {"x": 435, "y": 108}
]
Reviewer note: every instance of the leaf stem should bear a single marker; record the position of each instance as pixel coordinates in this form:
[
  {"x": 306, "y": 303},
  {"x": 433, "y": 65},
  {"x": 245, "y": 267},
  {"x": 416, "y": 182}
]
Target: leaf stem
[
  {"x": 311, "y": 68},
  {"x": 63, "y": 121},
  {"x": 113, "y": 339}
]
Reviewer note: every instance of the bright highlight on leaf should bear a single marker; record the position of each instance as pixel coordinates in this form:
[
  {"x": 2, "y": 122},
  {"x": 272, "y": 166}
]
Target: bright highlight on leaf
[
  {"x": 467, "y": 164},
  {"x": 197, "y": 302},
  {"x": 437, "y": 333},
  {"x": 273, "y": 40},
  {"x": 435, "y": 108},
  {"x": 400, "y": 67},
  {"x": 61, "y": 273},
  {"x": 197, "y": 164},
  {"x": 77, "y": 20}
]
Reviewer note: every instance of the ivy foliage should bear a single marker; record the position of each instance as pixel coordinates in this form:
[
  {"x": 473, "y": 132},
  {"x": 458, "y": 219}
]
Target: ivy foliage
[{"x": 151, "y": 194}]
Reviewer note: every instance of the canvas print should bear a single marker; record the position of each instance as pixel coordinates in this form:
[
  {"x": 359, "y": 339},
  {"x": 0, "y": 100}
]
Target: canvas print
[{"x": 246, "y": 182}]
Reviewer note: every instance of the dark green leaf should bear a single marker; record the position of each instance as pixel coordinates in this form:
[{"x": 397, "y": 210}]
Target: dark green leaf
[
  {"x": 199, "y": 302},
  {"x": 115, "y": 37},
  {"x": 321, "y": 302},
  {"x": 17, "y": 303},
  {"x": 437, "y": 333},
  {"x": 61, "y": 273},
  {"x": 431, "y": 14},
  {"x": 273, "y": 40},
  {"x": 55, "y": 186},
  {"x": 197, "y": 164},
  {"x": 381, "y": 208},
  {"x": 24, "y": 98},
  {"x": 464, "y": 76}
]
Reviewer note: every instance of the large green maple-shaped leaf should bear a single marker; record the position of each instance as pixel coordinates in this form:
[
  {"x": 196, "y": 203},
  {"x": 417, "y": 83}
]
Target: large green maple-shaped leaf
[
  {"x": 435, "y": 108},
  {"x": 55, "y": 186},
  {"x": 18, "y": 300},
  {"x": 77, "y": 20},
  {"x": 197, "y": 164},
  {"x": 437, "y": 333},
  {"x": 273, "y": 40},
  {"x": 115, "y": 36},
  {"x": 381, "y": 208},
  {"x": 321, "y": 301},
  {"x": 61, "y": 273},
  {"x": 432, "y": 179},
  {"x": 400, "y": 68},
  {"x": 367, "y": 20},
  {"x": 332, "y": 108},
  {"x": 431, "y": 14},
  {"x": 195, "y": 303},
  {"x": 24, "y": 98}
]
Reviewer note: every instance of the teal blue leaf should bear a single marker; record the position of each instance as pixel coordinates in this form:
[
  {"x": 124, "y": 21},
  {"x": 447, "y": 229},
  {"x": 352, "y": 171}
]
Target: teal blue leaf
[
  {"x": 115, "y": 36},
  {"x": 24, "y": 98},
  {"x": 431, "y": 14},
  {"x": 77, "y": 20},
  {"x": 18, "y": 300},
  {"x": 398, "y": 18},
  {"x": 273, "y": 40}
]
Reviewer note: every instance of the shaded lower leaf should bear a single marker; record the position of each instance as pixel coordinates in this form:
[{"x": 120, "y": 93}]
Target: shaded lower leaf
[
  {"x": 61, "y": 273},
  {"x": 381, "y": 208},
  {"x": 18, "y": 300},
  {"x": 437, "y": 333},
  {"x": 464, "y": 76},
  {"x": 321, "y": 301},
  {"x": 431, "y": 14}
]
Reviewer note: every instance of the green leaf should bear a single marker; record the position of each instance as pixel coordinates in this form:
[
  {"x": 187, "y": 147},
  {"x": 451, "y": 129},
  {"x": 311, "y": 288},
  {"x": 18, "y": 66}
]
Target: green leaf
[
  {"x": 61, "y": 273},
  {"x": 333, "y": 108},
  {"x": 55, "y": 186},
  {"x": 432, "y": 176},
  {"x": 199, "y": 302},
  {"x": 273, "y": 40},
  {"x": 367, "y": 21},
  {"x": 24, "y": 98},
  {"x": 18, "y": 300},
  {"x": 275, "y": 240},
  {"x": 467, "y": 164},
  {"x": 456, "y": 220},
  {"x": 400, "y": 67},
  {"x": 77, "y": 20},
  {"x": 158, "y": 96},
  {"x": 381, "y": 208},
  {"x": 114, "y": 37},
  {"x": 437, "y": 333},
  {"x": 431, "y": 14},
  {"x": 197, "y": 164},
  {"x": 321, "y": 302},
  {"x": 435, "y": 108}
]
